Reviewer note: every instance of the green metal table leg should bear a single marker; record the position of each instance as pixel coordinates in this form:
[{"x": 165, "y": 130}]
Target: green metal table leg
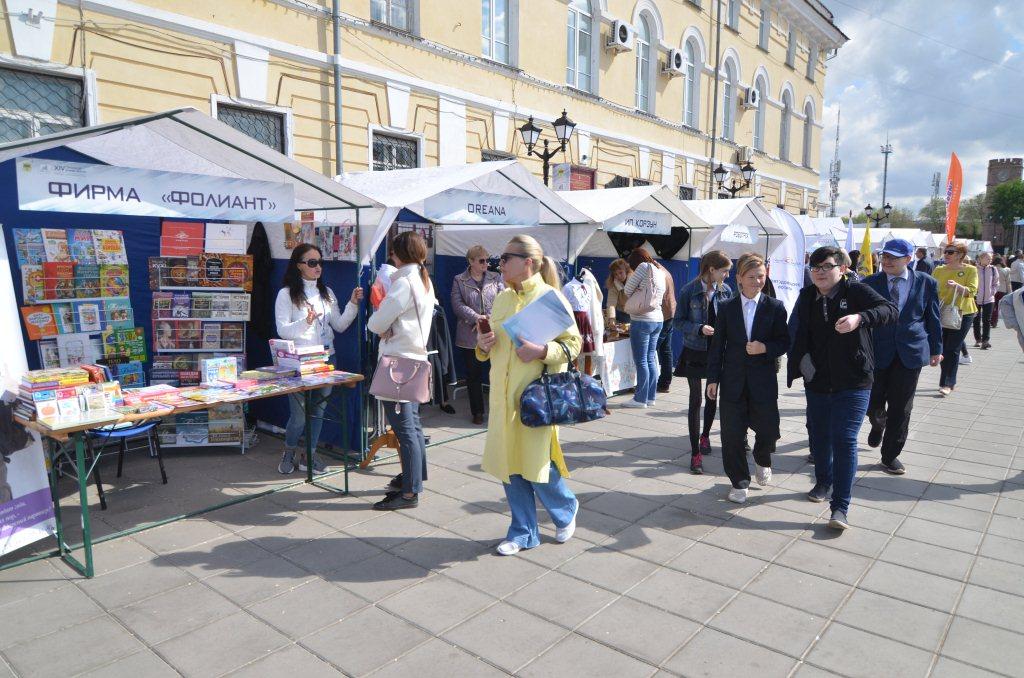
[
  {"x": 83, "y": 497},
  {"x": 307, "y": 406},
  {"x": 55, "y": 494}
]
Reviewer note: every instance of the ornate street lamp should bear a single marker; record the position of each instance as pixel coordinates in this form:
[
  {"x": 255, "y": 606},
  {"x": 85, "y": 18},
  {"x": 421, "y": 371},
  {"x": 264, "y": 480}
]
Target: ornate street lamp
[
  {"x": 878, "y": 217},
  {"x": 530, "y": 134},
  {"x": 747, "y": 171}
]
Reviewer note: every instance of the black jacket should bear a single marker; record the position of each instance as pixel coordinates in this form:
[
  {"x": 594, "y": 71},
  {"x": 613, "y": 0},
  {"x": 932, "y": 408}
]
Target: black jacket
[
  {"x": 850, "y": 356},
  {"x": 730, "y": 366}
]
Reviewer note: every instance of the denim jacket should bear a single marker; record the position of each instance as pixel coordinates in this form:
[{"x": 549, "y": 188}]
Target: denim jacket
[{"x": 692, "y": 314}]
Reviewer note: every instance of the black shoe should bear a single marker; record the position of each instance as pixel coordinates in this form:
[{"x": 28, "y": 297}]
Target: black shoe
[
  {"x": 478, "y": 420},
  {"x": 819, "y": 493},
  {"x": 664, "y": 389},
  {"x": 894, "y": 467},
  {"x": 395, "y": 502},
  {"x": 810, "y": 458},
  {"x": 396, "y": 482},
  {"x": 875, "y": 436}
]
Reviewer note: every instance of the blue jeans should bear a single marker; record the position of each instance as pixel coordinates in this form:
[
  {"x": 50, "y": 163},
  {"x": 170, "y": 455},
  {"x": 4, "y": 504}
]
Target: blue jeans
[
  {"x": 412, "y": 446},
  {"x": 951, "y": 341},
  {"x": 833, "y": 422},
  {"x": 643, "y": 340},
  {"x": 297, "y": 418},
  {"x": 522, "y": 496}
]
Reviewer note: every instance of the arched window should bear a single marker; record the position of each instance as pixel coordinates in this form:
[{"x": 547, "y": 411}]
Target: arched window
[
  {"x": 578, "y": 45},
  {"x": 729, "y": 101},
  {"x": 643, "y": 65},
  {"x": 787, "y": 113},
  {"x": 759, "y": 114},
  {"x": 691, "y": 87},
  {"x": 808, "y": 133}
]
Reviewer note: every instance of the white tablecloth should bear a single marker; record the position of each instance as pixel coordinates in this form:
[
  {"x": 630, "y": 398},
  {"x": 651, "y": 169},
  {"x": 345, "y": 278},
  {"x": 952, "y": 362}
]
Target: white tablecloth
[{"x": 617, "y": 369}]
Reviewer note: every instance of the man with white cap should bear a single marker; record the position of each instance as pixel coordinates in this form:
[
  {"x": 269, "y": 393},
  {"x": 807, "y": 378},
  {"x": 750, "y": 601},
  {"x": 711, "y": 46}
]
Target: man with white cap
[{"x": 901, "y": 350}]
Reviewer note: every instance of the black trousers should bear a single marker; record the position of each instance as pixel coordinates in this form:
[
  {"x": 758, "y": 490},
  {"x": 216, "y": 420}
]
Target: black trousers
[
  {"x": 983, "y": 322},
  {"x": 474, "y": 380},
  {"x": 1014, "y": 286},
  {"x": 892, "y": 399},
  {"x": 665, "y": 355},
  {"x": 737, "y": 416}
]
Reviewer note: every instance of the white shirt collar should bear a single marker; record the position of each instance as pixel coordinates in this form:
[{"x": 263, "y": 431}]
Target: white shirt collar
[
  {"x": 905, "y": 276},
  {"x": 756, "y": 299}
]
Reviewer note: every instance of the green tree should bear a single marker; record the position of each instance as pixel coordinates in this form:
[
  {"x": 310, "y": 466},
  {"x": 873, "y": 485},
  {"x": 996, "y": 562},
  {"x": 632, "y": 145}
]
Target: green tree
[
  {"x": 971, "y": 217},
  {"x": 933, "y": 215},
  {"x": 901, "y": 217},
  {"x": 1006, "y": 203}
]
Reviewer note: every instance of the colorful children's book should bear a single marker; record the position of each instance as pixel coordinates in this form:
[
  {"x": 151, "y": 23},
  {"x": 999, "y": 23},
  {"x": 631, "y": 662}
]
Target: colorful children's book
[
  {"x": 88, "y": 316},
  {"x": 219, "y": 369},
  {"x": 49, "y": 356},
  {"x": 64, "y": 316},
  {"x": 117, "y": 313},
  {"x": 28, "y": 244},
  {"x": 55, "y": 242},
  {"x": 181, "y": 238},
  {"x": 127, "y": 344},
  {"x": 76, "y": 349},
  {"x": 131, "y": 375},
  {"x": 80, "y": 244},
  {"x": 114, "y": 280},
  {"x": 59, "y": 280},
  {"x": 32, "y": 283},
  {"x": 109, "y": 247},
  {"x": 87, "y": 281},
  {"x": 39, "y": 321}
]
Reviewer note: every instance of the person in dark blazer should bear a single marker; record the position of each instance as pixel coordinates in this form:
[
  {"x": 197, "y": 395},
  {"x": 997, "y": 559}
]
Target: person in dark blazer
[
  {"x": 901, "y": 350},
  {"x": 923, "y": 263},
  {"x": 833, "y": 353},
  {"x": 750, "y": 333}
]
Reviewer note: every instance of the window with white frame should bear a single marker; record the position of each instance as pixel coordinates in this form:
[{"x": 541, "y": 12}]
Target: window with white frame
[
  {"x": 787, "y": 113},
  {"x": 729, "y": 101},
  {"x": 732, "y": 15},
  {"x": 395, "y": 13},
  {"x": 494, "y": 28},
  {"x": 578, "y": 45},
  {"x": 643, "y": 65},
  {"x": 760, "y": 113},
  {"x": 266, "y": 127},
  {"x": 393, "y": 152},
  {"x": 764, "y": 31},
  {"x": 691, "y": 87},
  {"x": 808, "y": 133},
  {"x": 791, "y": 49},
  {"x": 812, "y": 61},
  {"x": 34, "y": 104}
]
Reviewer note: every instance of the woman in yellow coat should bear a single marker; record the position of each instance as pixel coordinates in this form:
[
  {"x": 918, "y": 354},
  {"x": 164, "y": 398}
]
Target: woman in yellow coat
[{"x": 527, "y": 460}]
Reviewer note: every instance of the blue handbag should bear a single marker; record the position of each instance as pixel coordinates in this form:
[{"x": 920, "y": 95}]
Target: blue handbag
[{"x": 562, "y": 398}]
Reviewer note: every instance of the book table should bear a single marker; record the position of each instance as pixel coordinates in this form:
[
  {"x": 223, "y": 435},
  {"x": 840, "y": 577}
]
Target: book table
[{"x": 74, "y": 431}]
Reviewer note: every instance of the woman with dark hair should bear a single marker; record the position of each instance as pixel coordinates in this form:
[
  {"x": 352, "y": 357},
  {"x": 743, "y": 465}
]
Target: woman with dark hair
[
  {"x": 649, "y": 283},
  {"x": 307, "y": 312},
  {"x": 403, "y": 324}
]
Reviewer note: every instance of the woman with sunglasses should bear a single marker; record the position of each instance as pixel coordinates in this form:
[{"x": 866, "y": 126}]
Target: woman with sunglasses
[
  {"x": 958, "y": 286},
  {"x": 473, "y": 293},
  {"x": 307, "y": 313},
  {"x": 527, "y": 460}
]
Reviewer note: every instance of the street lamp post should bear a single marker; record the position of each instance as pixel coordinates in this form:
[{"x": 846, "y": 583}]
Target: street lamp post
[
  {"x": 747, "y": 170},
  {"x": 879, "y": 216},
  {"x": 531, "y": 133}
]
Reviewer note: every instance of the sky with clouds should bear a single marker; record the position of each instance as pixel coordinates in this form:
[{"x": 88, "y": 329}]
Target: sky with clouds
[{"x": 939, "y": 76}]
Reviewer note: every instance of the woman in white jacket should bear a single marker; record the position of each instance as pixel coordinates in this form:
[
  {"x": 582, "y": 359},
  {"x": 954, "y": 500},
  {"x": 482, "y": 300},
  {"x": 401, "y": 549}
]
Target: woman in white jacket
[
  {"x": 403, "y": 324},
  {"x": 307, "y": 312}
]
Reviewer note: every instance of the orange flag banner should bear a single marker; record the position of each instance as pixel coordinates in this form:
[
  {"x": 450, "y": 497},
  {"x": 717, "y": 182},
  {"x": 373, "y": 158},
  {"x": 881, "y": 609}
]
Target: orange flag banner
[{"x": 954, "y": 182}]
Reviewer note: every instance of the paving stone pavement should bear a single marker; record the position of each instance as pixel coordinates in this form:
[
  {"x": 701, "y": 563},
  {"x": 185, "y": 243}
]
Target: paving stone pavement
[{"x": 664, "y": 577}]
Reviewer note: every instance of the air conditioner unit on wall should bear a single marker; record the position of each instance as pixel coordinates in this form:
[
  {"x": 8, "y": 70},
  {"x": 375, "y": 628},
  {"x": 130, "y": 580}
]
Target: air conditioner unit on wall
[
  {"x": 621, "y": 37},
  {"x": 744, "y": 154},
  {"x": 752, "y": 98},
  {"x": 676, "y": 63}
]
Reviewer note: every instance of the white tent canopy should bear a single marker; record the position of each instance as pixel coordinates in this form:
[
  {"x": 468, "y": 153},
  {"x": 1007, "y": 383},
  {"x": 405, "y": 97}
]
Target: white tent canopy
[
  {"x": 916, "y": 236},
  {"x": 738, "y": 226},
  {"x": 481, "y": 203},
  {"x": 611, "y": 207},
  {"x": 821, "y": 231}
]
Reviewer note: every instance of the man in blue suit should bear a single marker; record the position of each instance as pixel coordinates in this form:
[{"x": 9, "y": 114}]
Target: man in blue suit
[{"x": 901, "y": 350}]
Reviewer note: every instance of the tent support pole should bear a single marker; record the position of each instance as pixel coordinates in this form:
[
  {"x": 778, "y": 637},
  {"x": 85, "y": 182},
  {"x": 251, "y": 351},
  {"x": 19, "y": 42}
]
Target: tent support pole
[{"x": 339, "y": 165}]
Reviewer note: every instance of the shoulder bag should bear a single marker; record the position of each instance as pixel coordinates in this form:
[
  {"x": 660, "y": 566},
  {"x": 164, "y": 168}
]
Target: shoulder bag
[
  {"x": 950, "y": 315},
  {"x": 403, "y": 379},
  {"x": 642, "y": 299},
  {"x": 562, "y": 398}
]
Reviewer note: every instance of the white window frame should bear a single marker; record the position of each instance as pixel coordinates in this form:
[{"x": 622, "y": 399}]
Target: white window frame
[
  {"x": 691, "y": 83},
  {"x": 418, "y": 137},
  {"x": 764, "y": 30},
  {"x": 761, "y": 113},
  {"x": 644, "y": 100},
  {"x": 729, "y": 92},
  {"x": 412, "y": 13},
  {"x": 786, "y": 101},
  {"x": 86, "y": 75},
  {"x": 511, "y": 32},
  {"x": 572, "y": 70},
  {"x": 289, "y": 117}
]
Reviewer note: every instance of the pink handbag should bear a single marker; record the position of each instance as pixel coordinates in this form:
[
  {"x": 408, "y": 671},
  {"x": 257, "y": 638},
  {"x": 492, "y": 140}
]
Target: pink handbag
[
  {"x": 403, "y": 379},
  {"x": 642, "y": 299}
]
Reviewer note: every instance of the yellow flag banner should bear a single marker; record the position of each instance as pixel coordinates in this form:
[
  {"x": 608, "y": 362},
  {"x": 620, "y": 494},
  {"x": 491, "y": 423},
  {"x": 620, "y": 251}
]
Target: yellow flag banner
[
  {"x": 865, "y": 266},
  {"x": 954, "y": 182}
]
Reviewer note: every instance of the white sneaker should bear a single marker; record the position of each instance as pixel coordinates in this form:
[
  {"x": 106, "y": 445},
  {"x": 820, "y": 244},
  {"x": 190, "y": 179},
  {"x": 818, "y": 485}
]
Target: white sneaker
[
  {"x": 508, "y": 548},
  {"x": 634, "y": 404},
  {"x": 763, "y": 475},
  {"x": 738, "y": 496},
  {"x": 564, "y": 534},
  {"x": 945, "y": 391},
  {"x": 650, "y": 403},
  {"x": 966, "y": 359}
]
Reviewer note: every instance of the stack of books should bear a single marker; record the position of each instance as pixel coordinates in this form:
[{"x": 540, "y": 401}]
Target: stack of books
[
  {"x": 64, "y": 393},
  {"x": 306, "y": 360}
]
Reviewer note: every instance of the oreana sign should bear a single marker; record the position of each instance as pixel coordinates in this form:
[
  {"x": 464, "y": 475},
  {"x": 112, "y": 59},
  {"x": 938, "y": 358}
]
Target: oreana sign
[
  {"x": 457, "y": 206},
  {"x": 56, "y": 186}
]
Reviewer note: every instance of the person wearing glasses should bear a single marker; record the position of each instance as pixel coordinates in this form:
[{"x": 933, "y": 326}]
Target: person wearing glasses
[
  {"x": 833, "y": 353},
  {"x": 306, "y": 311},
  {"x": 527, "y": 460},
  {"x": 958, "y": 285},
  {"x": 473, "y": 293},
  {"x": 901, "y": 350}
]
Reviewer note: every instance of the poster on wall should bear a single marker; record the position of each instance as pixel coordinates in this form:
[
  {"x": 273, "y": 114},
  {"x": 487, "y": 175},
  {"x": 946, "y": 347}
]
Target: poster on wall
[
  {"x": 26, "y": 508},
  {"x": 336, "y": 241}
]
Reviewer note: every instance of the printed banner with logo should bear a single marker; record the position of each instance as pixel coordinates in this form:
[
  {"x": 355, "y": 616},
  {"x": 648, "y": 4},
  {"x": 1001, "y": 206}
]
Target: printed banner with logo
[
  {"x": 954, "y": 183},
  {"x": 456, "y": 206},
  {"x": 640, "y": 221},
  {"x": 786, "y": 263},
  {"x": 56, "y": 186}
]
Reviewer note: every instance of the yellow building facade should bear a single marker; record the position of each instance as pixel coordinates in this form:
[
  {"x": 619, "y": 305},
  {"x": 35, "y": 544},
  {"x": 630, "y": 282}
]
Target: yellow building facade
[{"x": 435, "y": 82}]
